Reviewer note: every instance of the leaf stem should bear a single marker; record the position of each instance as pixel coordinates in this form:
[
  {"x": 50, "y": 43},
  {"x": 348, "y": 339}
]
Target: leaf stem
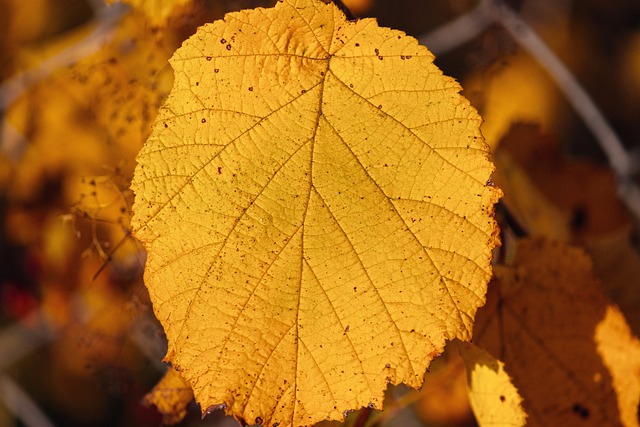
[{"x": 459, "y": 31}]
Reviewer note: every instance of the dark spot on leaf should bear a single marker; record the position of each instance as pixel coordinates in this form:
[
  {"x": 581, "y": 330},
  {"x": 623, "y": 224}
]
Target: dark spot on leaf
[
  {"x": 303, "y": 91},
  {"x": 259, "y": 420},
  {"x": 197, "y": 83},
  {"x": 220, "y": 170},
  {"x": 579, "y": 218},
  {"x": 203, "y": 121},
  {"x": 379, "y": 107},
  {"x": 228, "y": 47},
  {"x": 580, "y": 410},
  {"x": 208, "y": 58},
  {"x": 223, "y": 41},
  {"x": 357, "y": 44},
  {"x": 380, "y": 58},
  {"x": 408, "y": 56},
  {"x": 166, "y": 125},
  {"x": 502, "y": 398},
  {"x": 215, "y": 70},
  {"x": 251, "y": 89},
  {"x": 376, "y": 51}
]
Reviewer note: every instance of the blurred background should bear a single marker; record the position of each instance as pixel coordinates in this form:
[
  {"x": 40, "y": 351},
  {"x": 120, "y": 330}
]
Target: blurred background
[{"x": 80, "y": 82}]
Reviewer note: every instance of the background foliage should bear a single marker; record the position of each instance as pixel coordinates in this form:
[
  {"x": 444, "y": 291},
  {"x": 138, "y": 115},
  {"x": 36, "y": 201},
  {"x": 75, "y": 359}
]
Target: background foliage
[{"x": 81, "y": 83}]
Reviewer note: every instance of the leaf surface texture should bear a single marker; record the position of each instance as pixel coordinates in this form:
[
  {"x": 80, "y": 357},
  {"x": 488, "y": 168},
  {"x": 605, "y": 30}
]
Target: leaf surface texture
[{"x": 314, "y": 204}]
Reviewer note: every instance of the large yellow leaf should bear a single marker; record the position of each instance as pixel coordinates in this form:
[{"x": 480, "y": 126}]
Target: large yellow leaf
[{"x": 314, "y": 204}]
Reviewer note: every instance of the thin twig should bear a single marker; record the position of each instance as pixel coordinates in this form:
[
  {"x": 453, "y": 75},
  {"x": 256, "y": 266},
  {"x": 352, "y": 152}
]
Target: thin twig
[{"x": 459, "y": 31}]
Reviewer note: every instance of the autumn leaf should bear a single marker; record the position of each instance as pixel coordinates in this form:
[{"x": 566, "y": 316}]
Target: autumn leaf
[
  {"x": 569, "y": 351},
  {"x": 314, "y": 203},
  {"x": 171, "y": 396},
  {"x": 494, "y": 398}
]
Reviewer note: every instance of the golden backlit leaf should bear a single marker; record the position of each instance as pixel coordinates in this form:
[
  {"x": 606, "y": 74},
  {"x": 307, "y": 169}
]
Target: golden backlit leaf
[
  {"x": 569, "y": 351},
  {"x": 170, "y": 396},
  {"x": 494, "y": 398},
  {"x": 314, "y": 204}
]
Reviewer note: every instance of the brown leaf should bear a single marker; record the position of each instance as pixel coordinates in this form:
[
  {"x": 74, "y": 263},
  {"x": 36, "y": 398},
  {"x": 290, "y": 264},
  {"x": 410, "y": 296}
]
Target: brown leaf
[{"x": 569, "y": 351}]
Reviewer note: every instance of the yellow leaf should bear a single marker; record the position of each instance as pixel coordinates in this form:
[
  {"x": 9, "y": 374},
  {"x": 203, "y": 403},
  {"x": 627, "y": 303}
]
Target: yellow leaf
[
  {"x": 620, "y": 352},
  {"x": 569, "y": 351},
  {"x": 494, "y": 398},
  {"x": 171, "y": 396},
  {"x": 314, "y": 206}
]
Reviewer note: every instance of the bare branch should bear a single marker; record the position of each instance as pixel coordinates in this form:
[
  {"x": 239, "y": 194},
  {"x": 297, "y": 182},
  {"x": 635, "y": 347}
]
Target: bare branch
[{"x": 459, "y": 31}]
